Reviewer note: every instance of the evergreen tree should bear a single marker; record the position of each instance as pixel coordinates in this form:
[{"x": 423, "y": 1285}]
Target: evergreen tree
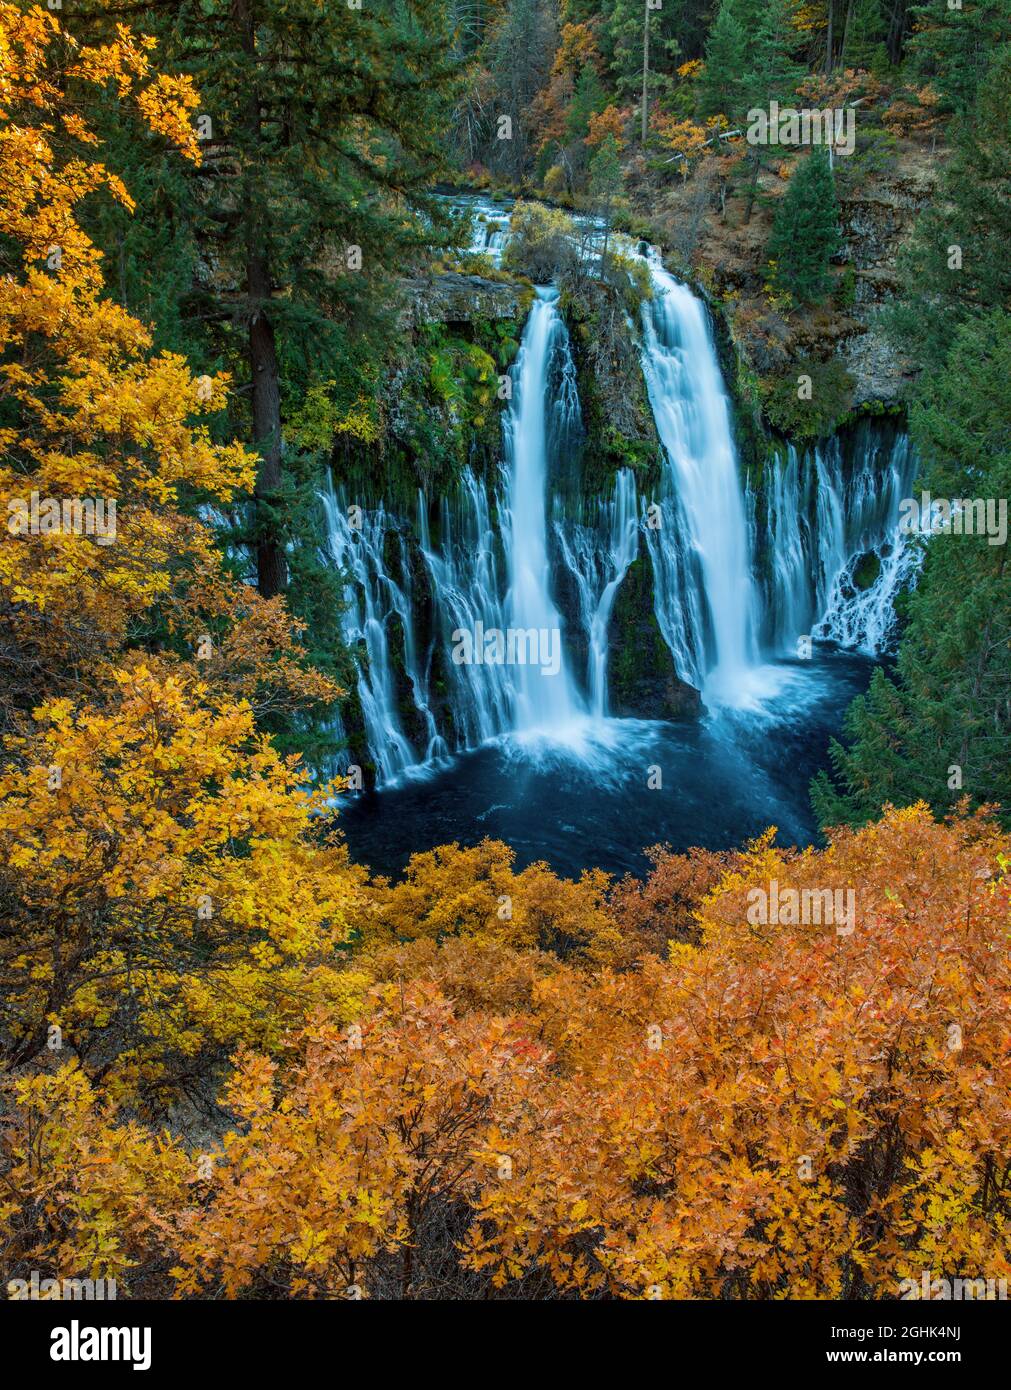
[
  {"x": 588, "y": 98},
  {"x": 956, "y": 263},
  {"x": 520, "y": 57},
  {"x": 642, "y": 48},
  {"x": 772, "y": 74},
  {"x": 805, "y": 232},
  {"x": 722, "y": 86},
  {"x": 773, "y": 71},
  {"x": 606, "y": 180},
  {"x": 863, "y": 36},
  {"x": 952, "y": 48},
  {"x": 323, "y": 133}
]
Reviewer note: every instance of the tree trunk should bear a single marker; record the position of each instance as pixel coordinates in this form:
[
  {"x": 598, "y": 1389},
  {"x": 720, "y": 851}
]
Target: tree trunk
[
  {"x": 271, "y": 567},
  {"x": 846, "y": 32},
  {"x": 831, "y": 37},
  {"x": 645, "y": 70}
]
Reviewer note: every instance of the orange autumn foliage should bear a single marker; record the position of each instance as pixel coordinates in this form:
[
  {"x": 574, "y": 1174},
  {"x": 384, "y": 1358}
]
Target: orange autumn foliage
[
  {"x": 780, "y": 1110},
  {"x": 610, "y": 121}
]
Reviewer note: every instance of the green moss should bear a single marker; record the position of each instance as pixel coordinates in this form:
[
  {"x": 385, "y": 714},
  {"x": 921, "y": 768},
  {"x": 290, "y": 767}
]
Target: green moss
[
  {"x": 810, "y": 400},
  {"x": 865, "y": 576},
  {"x": 620, "y": 431}
]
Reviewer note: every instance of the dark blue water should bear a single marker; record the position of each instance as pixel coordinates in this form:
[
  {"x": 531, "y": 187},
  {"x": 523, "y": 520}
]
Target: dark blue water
[{"x": 723, "y": 781}]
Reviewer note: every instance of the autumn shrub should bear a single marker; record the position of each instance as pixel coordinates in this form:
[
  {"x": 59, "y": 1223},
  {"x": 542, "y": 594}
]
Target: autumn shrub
[
  {"x": 784, "y": 1108},
  {"x": 541, "y": 242},
  {"x": 663, "y": 907},
  {"x": 474, "y": 891},
  {"x": 166, "y": 896}
]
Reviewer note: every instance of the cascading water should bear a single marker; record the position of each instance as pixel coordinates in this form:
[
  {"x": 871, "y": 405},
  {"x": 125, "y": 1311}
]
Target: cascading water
[
  {"x": 372, "y": 599},
  {"x": 467, "y": 588},
  {"x": 543, "y": 698},
  {"x": 706, "y": 597},
  {"x": 598, "y": 556},
  {"x": 737, "y": 574},
  {"x": 837, "y": 557}
]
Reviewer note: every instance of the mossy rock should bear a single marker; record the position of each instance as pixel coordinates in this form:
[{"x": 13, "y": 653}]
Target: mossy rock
[
  {"x": 643, "y": 682},
  {"x": 867, "y": 571}
]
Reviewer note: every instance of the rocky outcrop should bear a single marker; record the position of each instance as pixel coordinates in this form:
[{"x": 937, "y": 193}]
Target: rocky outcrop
[
  {"x": 728, "y": 259},
  {"x": 457, "y": 298},
  {"x": 642, "y": 680},
  {"x": 875, "y": 218}
]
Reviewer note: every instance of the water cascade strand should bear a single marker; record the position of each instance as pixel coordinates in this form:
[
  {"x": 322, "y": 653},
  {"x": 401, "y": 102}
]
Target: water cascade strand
[
  {"x": 543, "y": 699},
  {"x": 707, "y": 602}
]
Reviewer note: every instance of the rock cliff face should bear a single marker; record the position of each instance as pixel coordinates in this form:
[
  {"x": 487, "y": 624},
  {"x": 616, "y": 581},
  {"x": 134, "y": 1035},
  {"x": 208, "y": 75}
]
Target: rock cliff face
[
  {"x": 457, "y": 298},
  {"x": 642, "y": 680},
  {"x": 875, "y": 219},
  {"x": 728, "y": 258}
]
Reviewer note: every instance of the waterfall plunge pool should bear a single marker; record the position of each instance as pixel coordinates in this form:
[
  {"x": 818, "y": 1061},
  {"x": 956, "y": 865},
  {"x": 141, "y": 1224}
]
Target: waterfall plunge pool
[{"x": 586, "y": 801}]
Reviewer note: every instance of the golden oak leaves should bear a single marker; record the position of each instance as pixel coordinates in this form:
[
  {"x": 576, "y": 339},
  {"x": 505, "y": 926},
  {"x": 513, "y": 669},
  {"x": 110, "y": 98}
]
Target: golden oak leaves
[
  {"x": 167, "y": 882},
  {"x": 98, "y": 419},
  {"x": 807, "y": 1125},
  {"x": 91, "y": 1193},
  {"x": 351, "y": 1157},
  {"x": 41, "y": 67},
  {"x": 169, "y": 894},
  {"x": 475, "y": 892},
  {"x": 778, "y": 1111}
]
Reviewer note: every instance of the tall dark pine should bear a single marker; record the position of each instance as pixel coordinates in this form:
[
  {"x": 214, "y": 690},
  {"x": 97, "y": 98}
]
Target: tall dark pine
[
  {"x": 805, "y": 233},
  {"x": 325, "y": 132}
]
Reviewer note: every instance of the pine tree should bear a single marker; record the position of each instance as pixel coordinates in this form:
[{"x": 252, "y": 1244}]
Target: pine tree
[
  {"x": 642, "y": 49},
  {"x": 772, "y": 74},
  {"x": 863, "y": 36},
  {"x": 722, "y": 88},
  {"x": 952, "y": 48},
  {"x": 322, "y": 128},
  {"x": 956, "y": 264},
  {"x": 588, "y": 98},
  {"x": 805, "y": 233},
  {"x": 772, "y": 68},
  {"x": 606, "y": 180}
]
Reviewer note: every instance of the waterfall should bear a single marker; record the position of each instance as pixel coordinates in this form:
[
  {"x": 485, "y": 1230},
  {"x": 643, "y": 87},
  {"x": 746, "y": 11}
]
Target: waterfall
[
  {"x": 371, "y": 599},
  {"x": 810, "y": 544},
  {"x": 543, "y": 698},
  {"x": 825, "y": 521},
  {"x": 467, "y": 587},
  {"x": 707, "y": 603},
  {"x": 598, "y": 555}
]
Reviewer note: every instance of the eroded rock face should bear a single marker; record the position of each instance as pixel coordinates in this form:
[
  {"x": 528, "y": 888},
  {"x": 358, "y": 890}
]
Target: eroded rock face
[
  {"x": 877, "y": 213},
  {"x": 875, "y": 220},
  {"x": 457, "y": 298},
  {"x": 641, "y": 677}
]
